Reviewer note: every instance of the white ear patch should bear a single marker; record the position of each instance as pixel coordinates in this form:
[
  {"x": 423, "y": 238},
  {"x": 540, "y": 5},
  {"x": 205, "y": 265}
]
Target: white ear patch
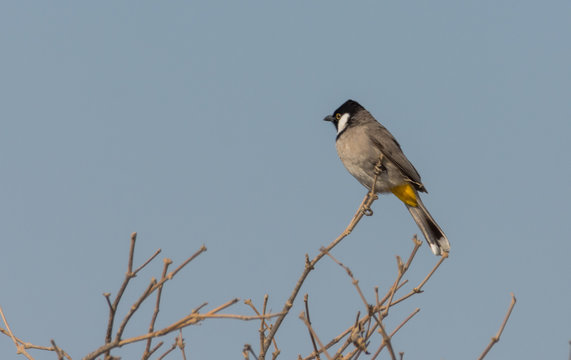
[{"x": 343, "y": 122}]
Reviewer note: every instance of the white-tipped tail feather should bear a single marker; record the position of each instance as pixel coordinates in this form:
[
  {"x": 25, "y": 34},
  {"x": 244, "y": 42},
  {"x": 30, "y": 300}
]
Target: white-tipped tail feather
[{"x": 433, "y": 234}]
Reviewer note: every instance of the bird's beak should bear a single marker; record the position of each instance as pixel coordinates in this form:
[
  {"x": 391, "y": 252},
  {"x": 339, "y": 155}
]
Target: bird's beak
[{"x": 329, "y": 118}]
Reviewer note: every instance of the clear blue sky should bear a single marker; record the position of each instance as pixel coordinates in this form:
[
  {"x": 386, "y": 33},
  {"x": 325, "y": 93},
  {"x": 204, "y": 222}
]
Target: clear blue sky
[{"x": 201, "y": 123}]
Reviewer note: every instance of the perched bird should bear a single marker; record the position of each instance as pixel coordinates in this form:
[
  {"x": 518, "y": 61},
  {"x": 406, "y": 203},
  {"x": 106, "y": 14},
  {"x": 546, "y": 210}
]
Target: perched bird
[{"x": 361, "y": 142}]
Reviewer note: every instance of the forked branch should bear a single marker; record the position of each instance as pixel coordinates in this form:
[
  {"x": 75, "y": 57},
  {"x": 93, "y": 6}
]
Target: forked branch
[{"x": 364, "y": 209}]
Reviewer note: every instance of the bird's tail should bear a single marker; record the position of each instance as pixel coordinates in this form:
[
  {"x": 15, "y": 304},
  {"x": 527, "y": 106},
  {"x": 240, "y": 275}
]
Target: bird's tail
[{"x": 433, "y": 234}]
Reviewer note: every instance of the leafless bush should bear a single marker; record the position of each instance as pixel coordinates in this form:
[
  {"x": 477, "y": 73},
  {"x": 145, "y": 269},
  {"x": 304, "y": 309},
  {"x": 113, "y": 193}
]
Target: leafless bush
[
  {"x": 114, "y": 341},
  {"x": 366, "y": 335}
]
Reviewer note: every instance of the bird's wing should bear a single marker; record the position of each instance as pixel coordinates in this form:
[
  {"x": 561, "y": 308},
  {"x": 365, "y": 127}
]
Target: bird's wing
[{"x": 389, "y": 147}]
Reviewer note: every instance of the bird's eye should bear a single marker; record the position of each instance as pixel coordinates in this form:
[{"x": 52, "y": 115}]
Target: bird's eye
[{"x": 337, "y": 116}]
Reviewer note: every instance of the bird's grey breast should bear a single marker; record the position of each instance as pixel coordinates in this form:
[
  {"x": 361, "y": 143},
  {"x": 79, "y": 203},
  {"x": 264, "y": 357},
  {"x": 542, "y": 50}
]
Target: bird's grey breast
[{"x": 358, "y": 153}]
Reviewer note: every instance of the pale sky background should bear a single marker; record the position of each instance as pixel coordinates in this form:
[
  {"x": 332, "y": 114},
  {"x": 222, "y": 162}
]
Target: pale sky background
[{"x": 201, "y": 123}]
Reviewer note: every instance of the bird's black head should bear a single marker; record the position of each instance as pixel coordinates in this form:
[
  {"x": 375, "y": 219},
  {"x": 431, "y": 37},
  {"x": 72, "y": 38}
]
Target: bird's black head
[
  {"x": 342, "y": 116},
  {"x": 349, "y": 106}
]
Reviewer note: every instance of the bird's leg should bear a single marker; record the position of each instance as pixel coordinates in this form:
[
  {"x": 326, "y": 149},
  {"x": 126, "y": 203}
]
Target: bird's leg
[
  {"x": 379, "y": 168},
  {"x": 372, "y": 195}
]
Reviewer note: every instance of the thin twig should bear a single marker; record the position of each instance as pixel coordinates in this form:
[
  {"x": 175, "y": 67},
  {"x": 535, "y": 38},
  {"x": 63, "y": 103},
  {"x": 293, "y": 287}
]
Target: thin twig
[
  {"x": 248, "y": 349},
  {"x": 107, "y": 295},
  {"x": 20, "y": 349},
  {"x": 303, "y": 318},
  {"x": 154, "y": 349},
  {"x": 402, "y": 269},
  {"x": 134, "y": 308},
  {"x": 128, "y": 276},
  {"x": 394, "y": 332},
  {"x": 179, "y": 268},
  {"x": 496, "y": 338},
  {"x": 418, "y": 289},
  {"x": 386, "y": 337},
  {"x": 190, "y": 319},
  {"x": 239, "y": 317},
  {"x": 57, "y": 350},
  {"x": 380, "y": 303},
  {"x": 401, "y": 272},
  {"x": 181, "y": 344},
  {"x": 157, "y": 252},
  {"x": 306, "y": 300},
  {"x": 380, "y": 306},
  {"x": 442, "y": 258},
  {"x": 173, "y": 273},
  {"x": 178, "y": 342},
  {"x": 354, "y": 281},
  {"x": 263, "y": 325},
  {"x": 405, "y": 321},
  {"x": 166, "y": 263},
  {"x": 28, "y": 345},
  {"x": 364, "y": 209},
  {"x": 153, "y": 285},
  {"x": 168, "y": 351}
]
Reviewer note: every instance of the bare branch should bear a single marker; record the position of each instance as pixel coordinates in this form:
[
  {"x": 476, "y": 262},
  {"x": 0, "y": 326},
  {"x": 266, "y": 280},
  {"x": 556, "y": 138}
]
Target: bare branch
[
  {"x": 496, "y": 338},
  {"x": 380, "y": 305},
  {"x": 151, "y": 258},
  {"x": 248, "y": 349},
  {"x": 58, "y": 351},
  {"x": 168, "y": 351},
  {"x": 305, "y": 300},
  {"x": 364, "y": 209},
  {"x": 134, "y": 308},
  {"x": 354, "y": 281},
  {"x": 179, "y": 341},
  {"x": 200, "y": 251},
  {"x": 303, "y": 317},
  {"x": 153, "y": 285},
  {"x": 263, "y": 324},
  {"x": 20, "y": 349},
  {"x": 386, "y": 338},
  {"x": 128, "y": 276},
  {"x": 147, "y": 353},
  {"x": 418, "y": 289},
  {"x": 401, "y": 271},
  {"x": 405, "y": 321},
  {"x": 191, "y": 319},
  {"x": 394, "y": 332}
]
